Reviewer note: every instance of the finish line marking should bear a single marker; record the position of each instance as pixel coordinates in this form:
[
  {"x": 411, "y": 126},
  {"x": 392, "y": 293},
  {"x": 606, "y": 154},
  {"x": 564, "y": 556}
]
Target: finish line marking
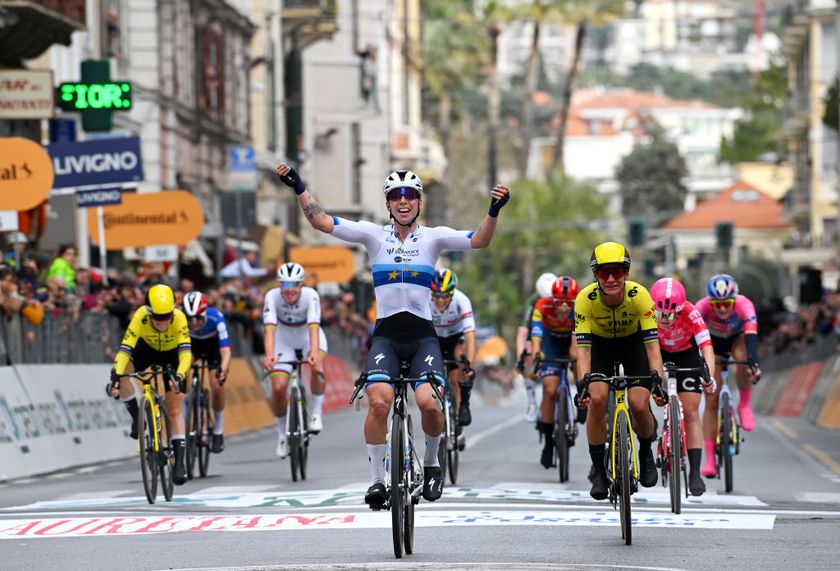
[{"x": 146, "y": 525}]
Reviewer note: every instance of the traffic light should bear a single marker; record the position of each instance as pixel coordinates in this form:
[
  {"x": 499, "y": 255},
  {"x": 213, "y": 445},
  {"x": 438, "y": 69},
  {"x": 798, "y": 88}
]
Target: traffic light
[
  {"x": 636, "y": 232},
  {"x": 724, "y": 235}
]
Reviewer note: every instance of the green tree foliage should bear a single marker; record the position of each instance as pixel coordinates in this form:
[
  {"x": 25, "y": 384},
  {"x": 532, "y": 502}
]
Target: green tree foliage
[
  {"x": 650, "y": 179},
  {"x": 758, "y": 133},
  {"x": 546, "y": 227}
]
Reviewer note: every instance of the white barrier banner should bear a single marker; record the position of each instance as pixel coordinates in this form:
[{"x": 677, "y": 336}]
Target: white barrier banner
[
  {"x": 67, "y": 419},
  {"x": 13, "y": 440}
]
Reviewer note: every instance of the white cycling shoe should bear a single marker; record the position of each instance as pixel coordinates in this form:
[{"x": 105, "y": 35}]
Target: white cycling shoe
[
  {"x": 315, "y": 423},
  {"x": 282, "y": 447},
  {"x": 531, "y": 413}
]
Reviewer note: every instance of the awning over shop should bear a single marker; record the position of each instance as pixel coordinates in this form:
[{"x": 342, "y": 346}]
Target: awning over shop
[{"x": 29, "y": 27}]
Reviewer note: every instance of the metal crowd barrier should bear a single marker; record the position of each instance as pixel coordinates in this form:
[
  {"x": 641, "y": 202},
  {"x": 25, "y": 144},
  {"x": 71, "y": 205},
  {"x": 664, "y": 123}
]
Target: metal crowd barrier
[{"x": 95, "y": 338}]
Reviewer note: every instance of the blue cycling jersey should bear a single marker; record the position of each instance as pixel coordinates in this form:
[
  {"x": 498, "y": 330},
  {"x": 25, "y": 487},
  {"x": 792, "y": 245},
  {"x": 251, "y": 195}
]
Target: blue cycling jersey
[{"x": 214, "y": 326}]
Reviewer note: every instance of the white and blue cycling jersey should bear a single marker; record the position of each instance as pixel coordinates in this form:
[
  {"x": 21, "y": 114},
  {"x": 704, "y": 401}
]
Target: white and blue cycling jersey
[
  {"x": 402, "y": 271},
  {"x": 214, "y": 325}
]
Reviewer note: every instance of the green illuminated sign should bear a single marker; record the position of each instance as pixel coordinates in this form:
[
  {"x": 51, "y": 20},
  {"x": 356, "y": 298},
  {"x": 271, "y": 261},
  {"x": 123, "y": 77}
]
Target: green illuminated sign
[{"x": 83, "y": 96}]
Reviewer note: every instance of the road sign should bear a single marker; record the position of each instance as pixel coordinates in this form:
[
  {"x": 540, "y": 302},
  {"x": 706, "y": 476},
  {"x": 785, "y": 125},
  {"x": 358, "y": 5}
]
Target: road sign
[
  {"x": 243, "y": 173},
  {"x": 98, "y": 197},
  {"x": 100, "y": 162}
]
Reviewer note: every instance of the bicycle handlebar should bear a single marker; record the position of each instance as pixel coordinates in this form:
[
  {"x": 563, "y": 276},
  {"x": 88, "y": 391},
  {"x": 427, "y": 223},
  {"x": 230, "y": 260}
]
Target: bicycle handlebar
[
  {"x": 428, "y": 378},
  {"x": 618, "y": 382},
  {"x": 148, "y": 375}
]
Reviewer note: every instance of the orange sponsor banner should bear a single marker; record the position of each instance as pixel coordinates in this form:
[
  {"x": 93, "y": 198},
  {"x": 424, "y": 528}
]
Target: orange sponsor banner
[
  {"x": 246, "y": 405},
  {"x": 327, "y": 264},
  {"x": 26, "y": 174},
  {"x": 151, "y": 219}
]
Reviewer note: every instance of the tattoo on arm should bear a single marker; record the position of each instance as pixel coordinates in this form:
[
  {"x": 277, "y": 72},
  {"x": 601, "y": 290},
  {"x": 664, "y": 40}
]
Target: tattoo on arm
[{"x": 312, "y": 210}]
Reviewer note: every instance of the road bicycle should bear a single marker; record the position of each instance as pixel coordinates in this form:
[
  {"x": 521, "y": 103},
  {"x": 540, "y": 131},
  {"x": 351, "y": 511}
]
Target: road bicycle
[
  {"x": 565, "y": 429},
  {"x": 621, "y": 458},
  {"x": 403, "y": 469},
  {"x": 728, "y": 439},
  {"x": 199, "y": 421},
  {"x": 157, "y": 457},
  {"x": 672, "y": 448},
  {"x": 452, "y": 442},
  {"x": 297, "y": 419}
]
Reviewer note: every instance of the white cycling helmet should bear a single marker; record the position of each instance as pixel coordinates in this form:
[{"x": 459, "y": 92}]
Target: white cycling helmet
[
  {"x": 402, "y": 178},
  {"x": 544, "y": 283},
  {"x": 290, "y": 272}
]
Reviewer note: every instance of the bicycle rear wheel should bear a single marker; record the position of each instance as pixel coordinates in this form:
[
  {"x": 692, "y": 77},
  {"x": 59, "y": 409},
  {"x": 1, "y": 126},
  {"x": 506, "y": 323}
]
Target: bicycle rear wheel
[
  {"x": 399, "y": 483},
  {"x": 294, "y": 433},
  {"x": 148, "y": 458},
  {"x": 165, "y": 454},
  {"x": 193, "y": 434},
  {"x": 205, "y": 433},
  {"x": 452, "y": 452},
  {"x": 624, "y": 475},
  {"x": 726, "y": 422},
  {"x": 675, "y": 454},
  {"x": 726, "y": 441},
  {"x": 561, "y": 441}
]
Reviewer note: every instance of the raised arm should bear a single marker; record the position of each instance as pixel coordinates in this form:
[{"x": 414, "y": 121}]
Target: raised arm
[
  {"x": 481, "y": 238},
  {"x": 319, "y": 219}
]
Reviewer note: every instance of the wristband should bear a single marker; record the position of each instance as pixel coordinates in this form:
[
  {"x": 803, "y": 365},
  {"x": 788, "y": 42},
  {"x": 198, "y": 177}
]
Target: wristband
[
  {"x": 293, "y": 180},
  {"x": 496, "y": 206}
]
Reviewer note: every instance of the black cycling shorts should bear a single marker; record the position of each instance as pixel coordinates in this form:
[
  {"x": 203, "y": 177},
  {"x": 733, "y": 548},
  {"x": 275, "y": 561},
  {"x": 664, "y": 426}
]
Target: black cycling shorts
[
  {"x": 723, "y": 345},
  {"x": 144, "y": 357},
  {"x": 403, "y": 337},
  {"x": 686, "y": 382},
  {"x": 629, "y": 351},
  {"x": 447, "y": 349},
  {"x": 207, "y": 350}
]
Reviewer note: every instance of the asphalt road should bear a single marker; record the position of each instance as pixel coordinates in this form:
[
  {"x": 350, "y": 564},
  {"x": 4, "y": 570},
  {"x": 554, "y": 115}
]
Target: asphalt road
[{"x": 506, "y": 512}]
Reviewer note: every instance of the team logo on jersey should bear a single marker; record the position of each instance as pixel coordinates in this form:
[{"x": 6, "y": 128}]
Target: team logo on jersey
[
  {"x": 429, "y": 360},
  {"x": 379, "y": 358},
  {"x": 633, "y": 291},
  {"x": 398, "y": 259}
]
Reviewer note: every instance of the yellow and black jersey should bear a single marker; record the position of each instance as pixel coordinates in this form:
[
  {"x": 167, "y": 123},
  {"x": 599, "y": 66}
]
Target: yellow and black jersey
[
  {"x": 176, "y": 336},
  {"x": 594, "y": 317}
]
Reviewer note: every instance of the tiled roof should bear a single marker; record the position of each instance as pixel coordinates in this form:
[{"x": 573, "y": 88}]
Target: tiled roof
[{"x": 743, "y": 205}]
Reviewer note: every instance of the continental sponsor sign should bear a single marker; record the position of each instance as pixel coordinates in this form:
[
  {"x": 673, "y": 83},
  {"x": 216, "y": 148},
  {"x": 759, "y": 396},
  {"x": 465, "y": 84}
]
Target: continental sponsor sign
[
  {"x": 168, "y": 217},
  {"x": 26, "y": 174},
  {"x": 328, "y": 264}
]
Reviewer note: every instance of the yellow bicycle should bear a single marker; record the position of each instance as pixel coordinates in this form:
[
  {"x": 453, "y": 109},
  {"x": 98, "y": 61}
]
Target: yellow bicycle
[
  {"x": 622, "y": 456},
  {"x": 153, "y": 441}
]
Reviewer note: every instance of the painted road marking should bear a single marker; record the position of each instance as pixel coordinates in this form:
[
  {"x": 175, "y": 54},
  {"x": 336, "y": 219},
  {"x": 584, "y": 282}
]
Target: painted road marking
[
  {"x": 227, "y": 490},
  {"x": 827, "y": 460},
  {"x": 782, "y": 427},
  {"x": 143, "y": 525},
  {"x": 86, "y": 496},
  {"x": 819, "y": 497},
  {"x": 474, "y": 439},
  {"x": 354, "y": 497}
]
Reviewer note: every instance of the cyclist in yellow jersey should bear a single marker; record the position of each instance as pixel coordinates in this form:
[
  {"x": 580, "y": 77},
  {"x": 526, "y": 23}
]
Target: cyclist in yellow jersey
[
  {"x": 614, "y": 322},
  {"x": 157, "y": 335}
]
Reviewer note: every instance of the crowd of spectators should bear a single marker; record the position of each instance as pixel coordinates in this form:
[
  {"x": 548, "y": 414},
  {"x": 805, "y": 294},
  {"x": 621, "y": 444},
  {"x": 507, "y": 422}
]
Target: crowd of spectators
[{"x": 33, "y": 290}]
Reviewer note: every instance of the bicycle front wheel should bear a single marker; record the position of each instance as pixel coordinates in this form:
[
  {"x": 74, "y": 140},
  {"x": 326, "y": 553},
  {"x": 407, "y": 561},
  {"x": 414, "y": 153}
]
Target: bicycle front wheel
[
  {"x": 146, "y": 441},
  {"x": 408, "y": 498},
  {"x": 726, "y": 423},
  {"x": 625, "y": 470},
  {"x": 205, "y": 433},
  {"x": 561, "y": 430},
  {"x": 452, "y": 452},
  {"x": 399, "y": 483},
  {"x": 294, "y": 432},
  {"x": 303, "y": 449},
  {"x": 165, "y": 455},
  {"x": 193, "y": 431},
  {"x": 675, "y": 454}
]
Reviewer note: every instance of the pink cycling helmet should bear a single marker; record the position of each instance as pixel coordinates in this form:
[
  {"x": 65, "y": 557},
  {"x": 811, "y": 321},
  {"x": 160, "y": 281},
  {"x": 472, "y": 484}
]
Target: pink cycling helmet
[{"x": 668, "y": 295}]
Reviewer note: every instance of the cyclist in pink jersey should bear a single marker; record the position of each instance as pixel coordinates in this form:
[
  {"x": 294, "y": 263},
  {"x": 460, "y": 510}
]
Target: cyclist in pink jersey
[
  {"x": 683, "y": 337},
  {"x": 732, "y": 322}
]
